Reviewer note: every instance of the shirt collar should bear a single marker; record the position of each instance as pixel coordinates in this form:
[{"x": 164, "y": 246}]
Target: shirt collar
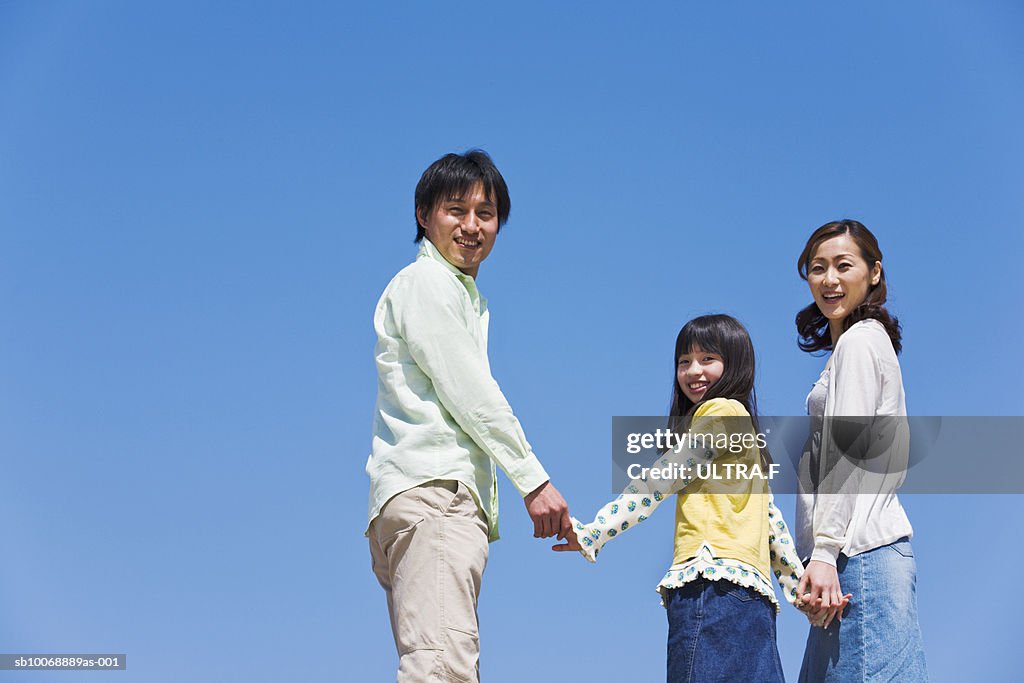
[{"x": 428, "y": 250}]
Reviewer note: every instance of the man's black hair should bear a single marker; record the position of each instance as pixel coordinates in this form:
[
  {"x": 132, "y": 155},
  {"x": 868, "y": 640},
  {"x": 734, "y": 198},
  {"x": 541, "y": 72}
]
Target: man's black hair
[{"x": 453, "y": 175}]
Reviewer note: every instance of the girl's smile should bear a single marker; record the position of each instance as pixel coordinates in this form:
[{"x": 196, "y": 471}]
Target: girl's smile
[{"x": 697, "y": 371}]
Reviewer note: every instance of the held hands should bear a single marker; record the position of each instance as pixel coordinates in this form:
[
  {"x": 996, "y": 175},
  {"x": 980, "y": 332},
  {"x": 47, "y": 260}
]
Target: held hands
[
  {"x": 572, "y": 543},
  {"x": 549, "y": 512},
  {"x": 814, "y": 612},
  {"x": 820, "y": 597}
]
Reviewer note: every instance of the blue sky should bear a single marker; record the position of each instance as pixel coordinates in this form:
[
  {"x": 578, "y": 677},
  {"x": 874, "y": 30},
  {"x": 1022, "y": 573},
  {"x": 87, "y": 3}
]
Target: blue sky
[{"x": 200, "y": 206}]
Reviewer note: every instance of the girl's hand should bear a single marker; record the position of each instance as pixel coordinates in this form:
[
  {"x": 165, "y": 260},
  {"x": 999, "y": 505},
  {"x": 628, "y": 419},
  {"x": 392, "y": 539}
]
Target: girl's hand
[
  {"x": 572, "y": 543},
  {"x": 819, "y": 587},
  {"x": 813, "y": 611}
]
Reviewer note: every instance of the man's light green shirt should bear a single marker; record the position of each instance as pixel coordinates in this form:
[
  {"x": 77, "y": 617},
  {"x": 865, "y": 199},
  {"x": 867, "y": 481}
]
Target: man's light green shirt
[{"x": 439, "y": 413}]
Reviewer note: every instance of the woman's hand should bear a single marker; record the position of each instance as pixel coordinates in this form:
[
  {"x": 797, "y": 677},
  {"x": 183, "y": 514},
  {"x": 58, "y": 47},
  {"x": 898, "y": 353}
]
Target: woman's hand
[
  {"x": 819, "y": 590},
  {"x": 815, "y": 614}
]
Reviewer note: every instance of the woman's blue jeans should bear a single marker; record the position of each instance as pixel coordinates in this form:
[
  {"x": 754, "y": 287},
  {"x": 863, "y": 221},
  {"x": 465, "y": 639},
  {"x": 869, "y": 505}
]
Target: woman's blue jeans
[{"x": 879, "y": 638}]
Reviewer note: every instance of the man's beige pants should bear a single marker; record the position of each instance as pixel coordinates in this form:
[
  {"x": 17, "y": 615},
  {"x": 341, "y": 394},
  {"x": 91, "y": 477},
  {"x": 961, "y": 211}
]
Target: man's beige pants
[{"x": 429, "y": 550}]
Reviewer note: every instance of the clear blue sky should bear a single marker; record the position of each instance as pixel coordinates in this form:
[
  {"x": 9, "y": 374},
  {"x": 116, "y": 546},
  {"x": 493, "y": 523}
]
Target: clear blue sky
[{"x": 199, "y": 207}]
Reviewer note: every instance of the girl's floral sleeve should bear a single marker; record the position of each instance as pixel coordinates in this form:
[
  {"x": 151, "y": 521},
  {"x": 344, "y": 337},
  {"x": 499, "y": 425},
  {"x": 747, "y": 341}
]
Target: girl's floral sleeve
[
  {"x": 625, "y": 512},
  {"x": 640, "y": 498},
  {"x": 635, "y": 504},
  {"x": 785, "y": 562}
]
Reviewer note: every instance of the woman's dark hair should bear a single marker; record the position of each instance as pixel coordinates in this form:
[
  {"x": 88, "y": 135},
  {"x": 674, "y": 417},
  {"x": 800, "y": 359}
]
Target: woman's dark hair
[
  {"x": 811, "y": 324},
  {"x": 725, "y": 336},
  {"x": 453, "y": 175}
]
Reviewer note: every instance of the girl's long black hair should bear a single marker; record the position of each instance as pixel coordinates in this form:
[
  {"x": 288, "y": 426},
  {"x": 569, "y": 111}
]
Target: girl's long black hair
[{"x": 724, "y": 335}]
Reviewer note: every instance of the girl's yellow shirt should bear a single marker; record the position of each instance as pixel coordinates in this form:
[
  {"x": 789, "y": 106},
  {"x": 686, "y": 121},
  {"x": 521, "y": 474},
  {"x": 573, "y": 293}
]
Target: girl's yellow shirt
[{"x": 731, "y": 515}]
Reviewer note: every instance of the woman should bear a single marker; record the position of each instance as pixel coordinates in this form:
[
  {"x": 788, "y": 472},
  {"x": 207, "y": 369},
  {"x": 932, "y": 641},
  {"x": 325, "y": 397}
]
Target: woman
[{"x": 855, "y": 543}]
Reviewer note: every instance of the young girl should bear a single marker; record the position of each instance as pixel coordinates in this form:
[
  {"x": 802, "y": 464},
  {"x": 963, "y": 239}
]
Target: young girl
[
  {"x": 729, "y": 535},
  {"x": 856, "y": 542}
]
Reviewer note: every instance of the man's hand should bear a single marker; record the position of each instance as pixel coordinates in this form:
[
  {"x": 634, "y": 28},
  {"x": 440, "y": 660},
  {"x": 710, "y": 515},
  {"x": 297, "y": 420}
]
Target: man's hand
[
  {"x": 819, "y": 587},
  {"x": 549, "y": 512}
]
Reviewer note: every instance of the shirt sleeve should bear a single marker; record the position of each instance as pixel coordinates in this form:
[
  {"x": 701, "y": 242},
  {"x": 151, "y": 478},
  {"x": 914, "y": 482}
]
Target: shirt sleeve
[
  {"x": 432, "y": 318},
  {"x": 785, "y": 561},
  {"x": 625, "y": 512},
  {"x": 642, "y": 497},
  {"x": 853, "y": 392}
]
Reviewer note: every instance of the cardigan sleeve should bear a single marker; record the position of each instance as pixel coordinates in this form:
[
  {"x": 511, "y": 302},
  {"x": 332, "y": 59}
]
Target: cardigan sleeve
[
  {"x": 636, "y": 503},
  {"x": 854, "y": 391},
  {"x": 785, "y": 561},
  {"x": 641, "y": 498}
]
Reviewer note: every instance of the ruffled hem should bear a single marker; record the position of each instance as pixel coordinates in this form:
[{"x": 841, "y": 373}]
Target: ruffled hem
[{"x": 705, "y": 565}]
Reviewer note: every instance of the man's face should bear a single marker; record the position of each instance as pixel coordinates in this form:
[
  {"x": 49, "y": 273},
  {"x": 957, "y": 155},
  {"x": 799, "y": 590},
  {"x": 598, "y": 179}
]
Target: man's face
[{"x": 463, "y": 228}]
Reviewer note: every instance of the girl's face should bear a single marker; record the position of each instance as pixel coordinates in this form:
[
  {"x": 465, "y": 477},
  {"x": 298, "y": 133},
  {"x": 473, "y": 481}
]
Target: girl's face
[
  {"x": 840, "y": 278},
  {"x": 697, "y": 371}
]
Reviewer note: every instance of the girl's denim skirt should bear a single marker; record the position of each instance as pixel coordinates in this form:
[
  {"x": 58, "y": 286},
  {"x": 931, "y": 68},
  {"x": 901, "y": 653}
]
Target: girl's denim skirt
[{"x": 720, "y": 631}]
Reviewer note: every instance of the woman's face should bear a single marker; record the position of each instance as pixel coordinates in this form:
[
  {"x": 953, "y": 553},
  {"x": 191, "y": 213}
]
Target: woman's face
[
  {"x": 840, "y": 278},
  {"x": 697, "y": 371}
]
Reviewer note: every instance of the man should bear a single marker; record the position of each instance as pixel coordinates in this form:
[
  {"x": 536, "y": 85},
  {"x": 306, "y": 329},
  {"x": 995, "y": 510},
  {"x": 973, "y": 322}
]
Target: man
[{"x": 441, "y": 424}]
